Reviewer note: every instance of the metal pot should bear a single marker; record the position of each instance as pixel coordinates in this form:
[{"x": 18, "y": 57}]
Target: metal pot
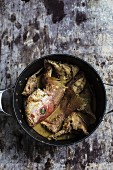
[{"x": 92, "y": 77}]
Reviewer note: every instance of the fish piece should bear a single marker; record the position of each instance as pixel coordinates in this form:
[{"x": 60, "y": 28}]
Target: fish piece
[
  {"x": 55, "y": 125},
  {"x": 55, "y": 88},
  {"x": 64, "y": 71},
  {"x": 32, "y": 84},
  {"x": 41, "y": 103},
  {"x": 72, "y": 122},
  {"x": 89, "y": 109},
  {"x": 78, "y": 102},
  {"x": 78, "y": 86},
  {"x": 78, "y": 83},
  {"x": 72, "y": 100},
  {"x": 54, "y": 122}
]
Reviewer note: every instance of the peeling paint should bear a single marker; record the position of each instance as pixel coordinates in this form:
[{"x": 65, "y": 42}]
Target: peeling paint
[{"x": 31, "y": 34}]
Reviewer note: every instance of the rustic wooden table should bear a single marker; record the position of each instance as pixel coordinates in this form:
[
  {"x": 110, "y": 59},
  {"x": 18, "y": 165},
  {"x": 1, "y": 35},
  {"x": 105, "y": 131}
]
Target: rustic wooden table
[{"x": 30, "y": 29}]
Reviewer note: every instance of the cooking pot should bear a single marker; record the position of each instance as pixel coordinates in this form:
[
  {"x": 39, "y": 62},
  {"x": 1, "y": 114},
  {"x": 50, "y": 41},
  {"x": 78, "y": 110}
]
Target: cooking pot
[{"x": 17, "y": 100}]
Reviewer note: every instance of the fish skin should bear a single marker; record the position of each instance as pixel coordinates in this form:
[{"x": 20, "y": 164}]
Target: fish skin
[
  {"x": 35, "y": 102},
  {"x": 47, "y": 99}
]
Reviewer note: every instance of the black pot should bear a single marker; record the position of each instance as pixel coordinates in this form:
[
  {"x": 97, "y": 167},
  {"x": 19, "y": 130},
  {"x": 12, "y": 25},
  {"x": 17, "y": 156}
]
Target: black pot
[{"x": 92, "y": 77}]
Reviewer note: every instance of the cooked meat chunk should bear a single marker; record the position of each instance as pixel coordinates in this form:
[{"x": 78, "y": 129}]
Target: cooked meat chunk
[
  {"x": 30, "y": 86},
  {"x": 72, "y": 122},
  {"x": 32, "y": 83}
]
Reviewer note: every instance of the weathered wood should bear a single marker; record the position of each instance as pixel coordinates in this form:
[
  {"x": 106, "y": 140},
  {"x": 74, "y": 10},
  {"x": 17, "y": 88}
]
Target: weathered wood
[{"x": 79, "y": 27}]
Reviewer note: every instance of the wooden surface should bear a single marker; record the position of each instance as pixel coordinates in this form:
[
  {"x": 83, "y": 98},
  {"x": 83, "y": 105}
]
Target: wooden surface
[{"x": 33, "y": 28}]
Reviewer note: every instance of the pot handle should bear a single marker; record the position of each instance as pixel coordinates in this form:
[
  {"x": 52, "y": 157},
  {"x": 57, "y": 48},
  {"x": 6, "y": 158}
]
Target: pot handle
[
  {"x": 6, "y": 102},
  {"x": 111, "y": 111},
  {"x": 107, "y": 84}
]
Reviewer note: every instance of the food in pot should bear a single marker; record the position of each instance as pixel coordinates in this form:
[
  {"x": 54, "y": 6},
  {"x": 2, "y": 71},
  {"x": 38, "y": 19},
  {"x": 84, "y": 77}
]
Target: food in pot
[
  {"x": 72, "y": 122},
  {"x": 32, "y": 84},
  {"x": 41, "y": 103},
  {"x": 58, "y": 101}
]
